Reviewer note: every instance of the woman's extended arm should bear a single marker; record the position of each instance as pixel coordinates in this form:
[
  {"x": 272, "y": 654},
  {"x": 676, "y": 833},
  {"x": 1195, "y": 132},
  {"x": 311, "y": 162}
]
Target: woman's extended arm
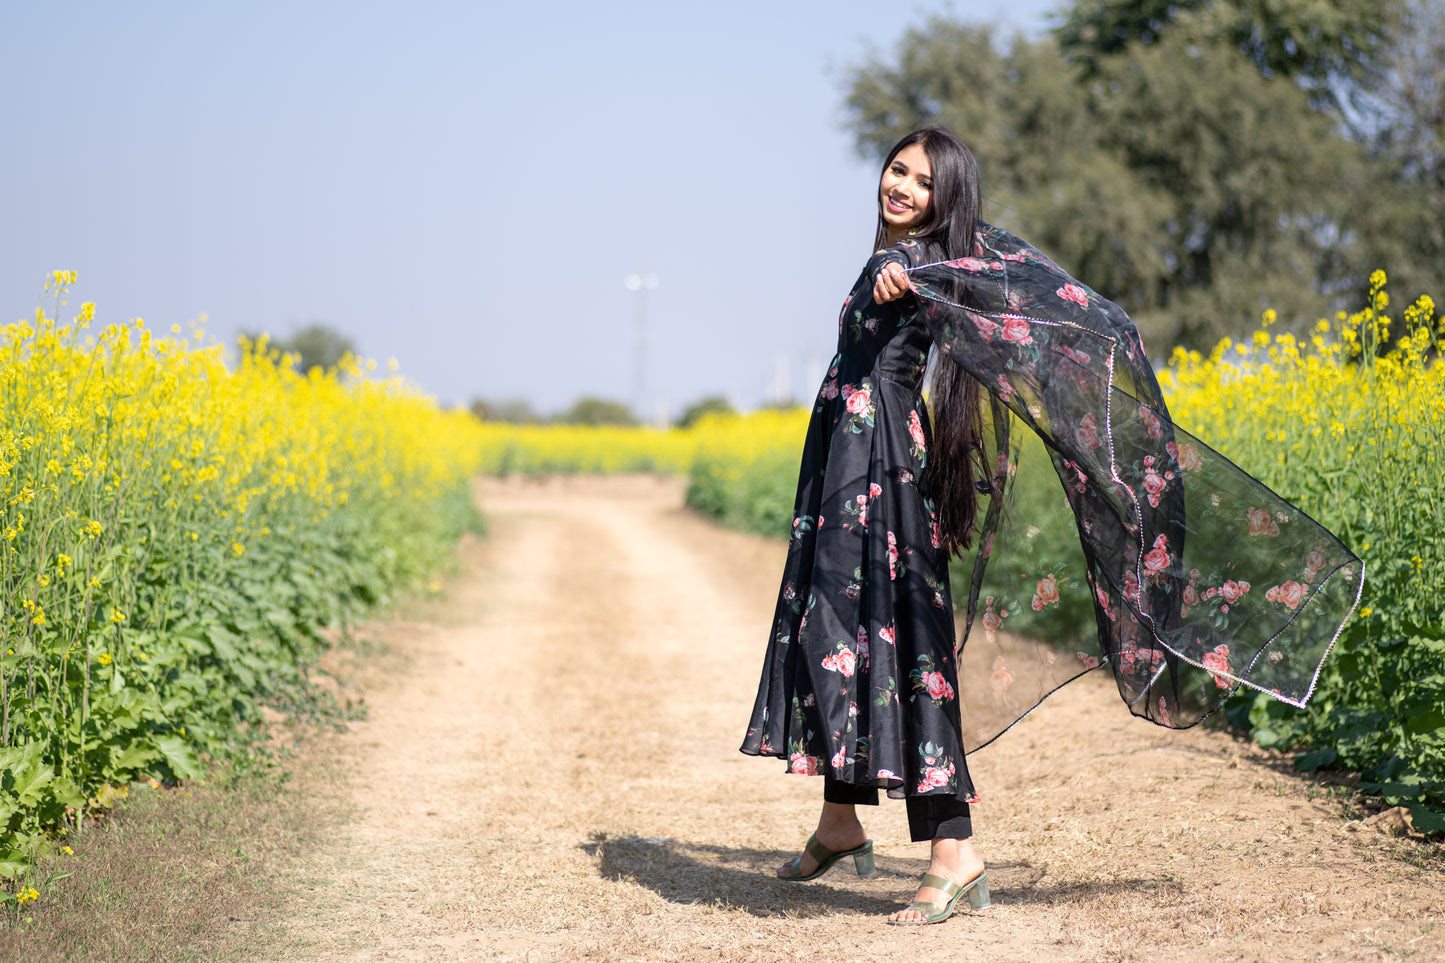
[{"x": 892, "y": 283}]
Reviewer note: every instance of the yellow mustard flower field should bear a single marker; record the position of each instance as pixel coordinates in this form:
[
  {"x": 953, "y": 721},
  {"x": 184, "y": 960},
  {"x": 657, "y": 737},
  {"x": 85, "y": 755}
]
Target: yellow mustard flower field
[
  {"x": 176, "y": 529},
  {"x": 179, "y": 526}
]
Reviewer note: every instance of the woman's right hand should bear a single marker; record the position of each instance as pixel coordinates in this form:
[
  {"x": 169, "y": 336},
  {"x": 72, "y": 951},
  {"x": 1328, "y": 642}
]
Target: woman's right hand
[{"x": 892, "y": 283}]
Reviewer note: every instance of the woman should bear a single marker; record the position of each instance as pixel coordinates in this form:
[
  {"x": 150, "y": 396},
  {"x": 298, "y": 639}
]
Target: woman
[
  {"x": 1202, "y": 579},
  {"x": 871, "y": 676}
]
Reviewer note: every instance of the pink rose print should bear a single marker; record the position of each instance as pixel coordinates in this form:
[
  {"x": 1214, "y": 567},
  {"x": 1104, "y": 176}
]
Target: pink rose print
[
  {"x": 1000, "y": 678},
  {"x": 991, "y": 620},
  {"x": 936, "y": 536},
  {"x": 1260, "y": 523},
  {"x": 1005, "y": 388},
  {"x": 1017, "y": 329},
  {"x": 840, "y": 759},
  {"x": 1191, "y": 597},
  {"x": 934, "y": 778},
  {"x": 915, "y": 428},
  {"x": 874, "y": 490},
  {"x": 1074, "y": 293},
  {"x": 1078, "y": 357},
  {"x": 1217, "y": 662},
  {"x": 1103, "y": 598},
  {"x": 1314, "y": 561},
  {"x": 842, "y": 663},
  {"x": 1189, "y": 459},
  {"x": 1046, "y": 592},
  {"x": 1164, "y": 713},
  {"x": 1087, "y": 433},
  {"x": 1089, "y": 661},
  {"x": 862, "y": 645},
  {"x": 1151, "y": 421},
  {"x": 969, "y": 264},
  {"x": 1233, "y": 591},
  {"x": 938, "y": 687},
  {"x": 1154, "y": 486},
  {"x": 984, "y": 325},
  {"x": 892, "y": 557},
  {"x": 1291, "y": 593},
  {"x": 1131, "y": 586},
  {"x": 858, "y": 400},
  {"x": 1156, "y": 559},
  {"x": 887, "y": 774},
  {"x": 803, "y": 765}
]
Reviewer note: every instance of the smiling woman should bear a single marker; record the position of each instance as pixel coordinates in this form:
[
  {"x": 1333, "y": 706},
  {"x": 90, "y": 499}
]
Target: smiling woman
[{"x": 860, "y": 680}]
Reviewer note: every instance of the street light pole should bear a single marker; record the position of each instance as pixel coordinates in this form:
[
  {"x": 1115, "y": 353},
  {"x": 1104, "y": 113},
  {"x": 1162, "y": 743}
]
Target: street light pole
[{"x": 641, "y": 283}]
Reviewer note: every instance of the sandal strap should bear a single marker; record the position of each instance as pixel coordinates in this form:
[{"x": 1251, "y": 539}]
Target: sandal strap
[
  {"x": 947, "y": 887},
  {"x": 820, "y": 853}
]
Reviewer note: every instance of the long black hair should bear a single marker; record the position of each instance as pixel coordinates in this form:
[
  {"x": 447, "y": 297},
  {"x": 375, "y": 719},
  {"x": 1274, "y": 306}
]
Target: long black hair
[{"x": 948, "y": 232}]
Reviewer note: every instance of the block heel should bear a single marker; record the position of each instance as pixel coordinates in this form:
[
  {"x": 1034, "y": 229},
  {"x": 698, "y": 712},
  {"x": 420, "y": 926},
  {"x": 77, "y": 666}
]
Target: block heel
[{"x": 975, "y": 889}]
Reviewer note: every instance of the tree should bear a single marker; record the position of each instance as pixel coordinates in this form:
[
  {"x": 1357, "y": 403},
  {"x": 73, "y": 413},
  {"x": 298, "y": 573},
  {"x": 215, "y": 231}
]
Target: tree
[
  {"x": 316, "y": 346},
  {"x": 597, "y": 411},
  {"x": 1176, "y": 179},
  {"x": 1327, "y": 46},
  {"x": 695, "y": 412},
  {"x": 1400, "y": 206},
  {"x": 1377, "y": 67},
  {"x": 512, "y": 412}
]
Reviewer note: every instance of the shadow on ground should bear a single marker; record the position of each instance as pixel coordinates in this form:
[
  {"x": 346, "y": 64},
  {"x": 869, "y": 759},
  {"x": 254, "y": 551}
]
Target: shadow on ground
[{"x": 742, "y": 879}]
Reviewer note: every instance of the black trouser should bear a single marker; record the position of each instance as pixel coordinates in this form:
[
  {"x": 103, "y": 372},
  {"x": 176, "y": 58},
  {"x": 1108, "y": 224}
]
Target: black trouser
[{"x": 929, "y": 817}]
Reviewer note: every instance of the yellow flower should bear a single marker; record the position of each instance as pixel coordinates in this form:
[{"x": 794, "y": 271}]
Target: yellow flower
[
  {"x": 1366, "y": 612},
  {"x": 67, "y": 850},
  {"x": 27, "y": 895},
  {"x": 103, "y": 658},
  {"x": 116, "y": 615}
]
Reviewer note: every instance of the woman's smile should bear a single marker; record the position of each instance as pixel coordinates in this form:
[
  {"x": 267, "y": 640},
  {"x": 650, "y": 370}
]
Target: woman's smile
[{"x": 905, "y": 193}]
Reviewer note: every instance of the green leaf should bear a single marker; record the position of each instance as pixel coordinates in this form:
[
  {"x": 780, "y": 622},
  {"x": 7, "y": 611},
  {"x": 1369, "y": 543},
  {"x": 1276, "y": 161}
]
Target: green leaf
[
  {"x": 180, "y": 756},
  {"x": 1315, "y": 759},
  {"x": 1427, "y": 820},
  {"x": 135, "y": 757}
]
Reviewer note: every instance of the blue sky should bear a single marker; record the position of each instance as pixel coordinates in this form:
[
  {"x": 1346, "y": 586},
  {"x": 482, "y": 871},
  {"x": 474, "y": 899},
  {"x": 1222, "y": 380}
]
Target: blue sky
[{"x": 460, "y": 186}]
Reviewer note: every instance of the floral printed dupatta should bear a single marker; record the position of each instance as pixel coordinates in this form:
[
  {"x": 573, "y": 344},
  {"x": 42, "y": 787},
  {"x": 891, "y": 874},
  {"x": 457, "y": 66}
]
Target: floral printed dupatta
[{"x": 1203, "y": 579}]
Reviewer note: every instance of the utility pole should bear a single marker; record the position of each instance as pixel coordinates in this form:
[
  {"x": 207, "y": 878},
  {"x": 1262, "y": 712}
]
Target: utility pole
[{"x": 640, "y": 283}]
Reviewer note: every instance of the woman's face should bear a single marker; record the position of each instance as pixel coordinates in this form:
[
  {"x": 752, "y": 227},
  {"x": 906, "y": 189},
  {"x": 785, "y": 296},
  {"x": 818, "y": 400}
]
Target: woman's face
[{"x": 905, "y": 193}]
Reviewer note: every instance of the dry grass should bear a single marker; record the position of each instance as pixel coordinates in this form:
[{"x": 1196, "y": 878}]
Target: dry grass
[
  {"x": 549, "y": 772},
  {"x": 174, "y": 874}
]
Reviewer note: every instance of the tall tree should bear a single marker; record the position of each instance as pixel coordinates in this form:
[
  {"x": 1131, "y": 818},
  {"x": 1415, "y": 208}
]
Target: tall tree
[
  {"x": 1177, "y": 179},
  {"x": 1328, "y": 46}
]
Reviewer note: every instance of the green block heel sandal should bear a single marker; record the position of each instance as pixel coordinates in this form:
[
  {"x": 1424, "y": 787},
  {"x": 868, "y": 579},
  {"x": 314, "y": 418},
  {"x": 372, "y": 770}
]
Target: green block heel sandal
[
  {"x": 825, "y": 858},
  {"x": 975, "y": 889}
]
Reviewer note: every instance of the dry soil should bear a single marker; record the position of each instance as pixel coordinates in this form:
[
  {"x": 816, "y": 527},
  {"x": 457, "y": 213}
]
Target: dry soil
[{"x": 550, "y": 772}]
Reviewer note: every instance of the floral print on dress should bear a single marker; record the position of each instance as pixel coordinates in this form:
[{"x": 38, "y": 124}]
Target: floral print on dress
[
  {"x": 930, "y": 683},
  {"x": 1163, "y": 521}
]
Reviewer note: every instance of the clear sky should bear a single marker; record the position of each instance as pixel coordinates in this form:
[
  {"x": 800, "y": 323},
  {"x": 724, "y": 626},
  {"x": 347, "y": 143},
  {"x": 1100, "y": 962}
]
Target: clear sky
[{"x": 460, "y": 186}]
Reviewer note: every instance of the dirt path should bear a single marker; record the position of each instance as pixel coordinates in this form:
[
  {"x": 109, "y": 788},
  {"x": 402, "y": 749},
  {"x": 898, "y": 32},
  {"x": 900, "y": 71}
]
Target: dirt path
[{"x": 550, "y": 772}]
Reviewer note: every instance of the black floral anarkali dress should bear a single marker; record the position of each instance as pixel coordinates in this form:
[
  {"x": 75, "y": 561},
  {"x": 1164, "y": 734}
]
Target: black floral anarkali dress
[
  {"x": 1202, "y": 579},
  {"x": 860, "y": 679}
]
